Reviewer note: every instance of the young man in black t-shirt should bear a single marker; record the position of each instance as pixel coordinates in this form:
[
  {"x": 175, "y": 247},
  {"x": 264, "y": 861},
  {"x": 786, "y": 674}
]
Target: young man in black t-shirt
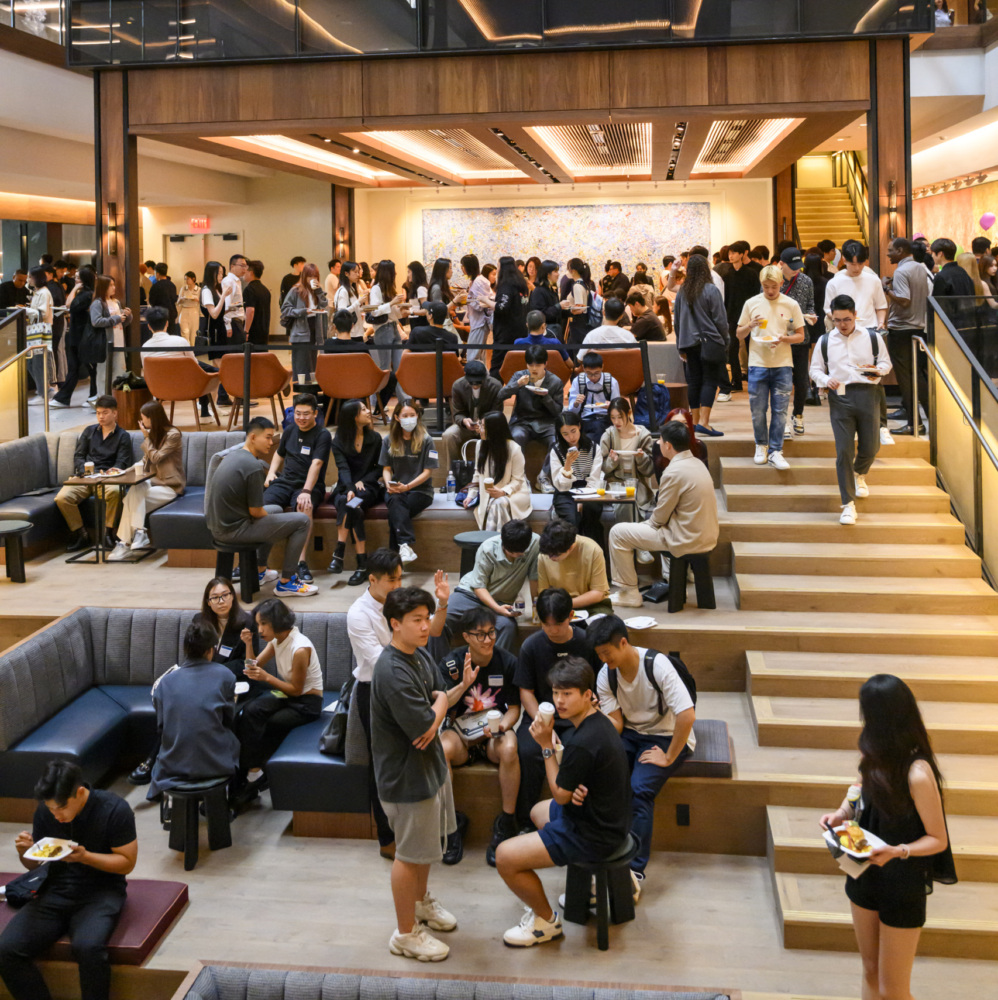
[
  {"x": 82, "y": 893},
  {"x": 301, "y": 485},
  {"x": 463, "y": 738},
  {"x": 589, "y": 815},
  {"x": 557, "y": 639}
]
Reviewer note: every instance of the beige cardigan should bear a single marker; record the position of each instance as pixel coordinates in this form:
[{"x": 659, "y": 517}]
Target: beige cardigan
[{"x": 513, "y": 483}]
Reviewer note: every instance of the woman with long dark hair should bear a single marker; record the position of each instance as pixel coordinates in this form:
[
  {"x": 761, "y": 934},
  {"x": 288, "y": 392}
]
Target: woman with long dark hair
[
  {"x": 356, "y": 451},
  {"x": 531, "y": 271},
  {"x": 40, "y": 318},
  {"x": 701, "y": 325},
  {"x": 79, "y": 299},
  {"x": 626, "y": 450},
  {"x": 580, "y": 292},
  {"x": 510, "y": 320},
  {"x": 481, "y": 303},
  {"x": 350, "y": 298},
  {"x": 898, "y": 799},
  {"x": 213, "y": 304},
  {"x": 499, "y": 491},
  {"x": 575, "y": 461},
  {"x": 384, "y": 313},
  {"x": 305, "y": 308},
  {"x": 106, "y": 315},
  {"x": 545, "y": 298},
  {"x": 187, "y": 307},
  {"x": 439, "y": 289}
]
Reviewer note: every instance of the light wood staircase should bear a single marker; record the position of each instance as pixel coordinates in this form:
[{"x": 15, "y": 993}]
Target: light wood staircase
[{"x": 825, "y": 214}]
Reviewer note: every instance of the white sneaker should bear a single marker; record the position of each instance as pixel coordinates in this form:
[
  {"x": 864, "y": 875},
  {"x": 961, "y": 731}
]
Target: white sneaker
[
  {"x": 431, "y": 913},
  {"x": 91, "y": 399},
  {"x": 862, "y": 490},
  {"x": 787, "y": 433},
  {"x": 723, "y": 397},
  {"x": 532, "y": 930},
  {"x": 406, "y": 554},
  {"x": 798, "y": 425},
  {"x": 760, "y": 454},
  {"x": 645, "y": 558},
  {"x": 777, "y": 461},
  {"x": 628, "y": 597},
  {"x": 118, "y": 554},
  {"x": 885, "y": 436},
  {"x": 58, "y": 404},
  {"x": 35, "y": 401},
  {"x": 269, "y": 576},
  {"x": 141, "y": 539},
  {"x": 848, "y": 515},
  {"x": 419, "y": 944}
]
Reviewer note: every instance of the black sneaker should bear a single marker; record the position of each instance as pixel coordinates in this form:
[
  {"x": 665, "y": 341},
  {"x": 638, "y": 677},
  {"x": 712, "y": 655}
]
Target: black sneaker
[
  {"x": 503, "y": 828},
  {"x": 455, "y": 842},
  {"x": 79, "y": 541},
  {"x": 336, "y": 564},
  {"x": 142, "y": 775},
  {"x": 235, "y": 575},
  {"x": 304, "y": 573}
]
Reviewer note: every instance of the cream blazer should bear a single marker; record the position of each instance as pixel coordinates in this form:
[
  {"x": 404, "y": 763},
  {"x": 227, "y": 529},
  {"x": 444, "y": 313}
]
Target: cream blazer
[{"x": 514, "y": 484}]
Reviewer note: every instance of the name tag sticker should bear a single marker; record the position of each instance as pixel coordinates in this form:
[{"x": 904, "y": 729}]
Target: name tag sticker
[
  {"x": 224, "y": 650},
  {"x": 306, "y": 449},
  {"x": 495, "y": 680},
  {"x": 433, "y": 455}
]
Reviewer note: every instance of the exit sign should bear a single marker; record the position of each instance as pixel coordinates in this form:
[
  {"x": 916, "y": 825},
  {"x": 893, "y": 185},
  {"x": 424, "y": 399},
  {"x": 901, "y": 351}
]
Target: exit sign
[{"x": 200, "y": 223}]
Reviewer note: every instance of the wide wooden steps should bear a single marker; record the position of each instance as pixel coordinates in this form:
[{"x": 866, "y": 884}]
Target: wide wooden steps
[
  {"x": 811, "y": 445},
  {"x": 840, "y": 675},
  {"x": 825, "y": 498},
  {"x": 815, "y": 527},
  {"x": 837, "y": 559},
  {"x": 796, "y": 844},
  {"x": 870, "y": 594},
  {"x": 833, "y": 723},
  {"x": 813, "y": 470},
  {"x": 962, "y": 919}
]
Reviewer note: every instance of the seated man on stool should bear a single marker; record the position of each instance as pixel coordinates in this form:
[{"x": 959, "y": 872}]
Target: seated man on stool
[
  {"x": 109, "y": 447},
  {"x": 472, "y": 396},
  {"x": 683, "y": 522},
  {"x": 588, "y": 817},
  {"x": 539, "y": 399},
  {"x": 83, "y": 894}
]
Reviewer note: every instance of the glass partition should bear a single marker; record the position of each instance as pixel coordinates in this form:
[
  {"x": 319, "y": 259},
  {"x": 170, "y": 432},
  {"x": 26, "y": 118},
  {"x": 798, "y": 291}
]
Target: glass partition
[{"x": 13, "y": 381}]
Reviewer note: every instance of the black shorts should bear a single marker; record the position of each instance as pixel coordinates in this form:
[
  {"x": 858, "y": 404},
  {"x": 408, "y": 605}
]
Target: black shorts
[
  {"x": 895, "y": 892},
  {"x": 283, "y": 494}
]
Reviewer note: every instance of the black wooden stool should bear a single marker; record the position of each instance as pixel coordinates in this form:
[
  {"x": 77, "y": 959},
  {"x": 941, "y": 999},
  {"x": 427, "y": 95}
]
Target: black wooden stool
[
  {"x": 614, "y": 890},
  {"x": 12, "y": 533},
  {"x": 469, "y": 542},
  {"x": 700, "y": 564},
  {"x": 184, "y": 799},
  {"x": 249, "y": 571}
]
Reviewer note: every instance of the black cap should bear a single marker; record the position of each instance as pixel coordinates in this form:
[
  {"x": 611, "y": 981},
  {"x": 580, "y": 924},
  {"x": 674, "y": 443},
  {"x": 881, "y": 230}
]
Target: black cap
[
  {"x": 791, "y": 257},
  {"x": 475, "y": 372},
  {"x": 437, "y": 311}
]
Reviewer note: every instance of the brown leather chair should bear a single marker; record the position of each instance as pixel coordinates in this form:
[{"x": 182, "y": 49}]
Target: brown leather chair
[
  {"x": 515, "y": 362},
  {"x": 268, "y": 377},
  {"x": 350, "y": 376},
  {"x": 417, "y": 373},
  {"x": 176, "y": 379},
  {"x": 624, "y": 364}
]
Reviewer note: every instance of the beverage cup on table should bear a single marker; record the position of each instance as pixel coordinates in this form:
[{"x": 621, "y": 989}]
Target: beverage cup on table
[
  {"x": 630, "y": 487},
  {"x": 492, "y": 719},
  {"x": 545, "y": 712},
  {"x": 88, "y": 468},
  {"x": 519, "y": 606},
  {"x": 660, "y": 378}
]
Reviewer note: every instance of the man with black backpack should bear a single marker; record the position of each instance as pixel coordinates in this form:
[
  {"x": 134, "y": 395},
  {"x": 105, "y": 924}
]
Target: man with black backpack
[
  {"x": 591, "y": 395},
  {"x": 650, "y": 698}
]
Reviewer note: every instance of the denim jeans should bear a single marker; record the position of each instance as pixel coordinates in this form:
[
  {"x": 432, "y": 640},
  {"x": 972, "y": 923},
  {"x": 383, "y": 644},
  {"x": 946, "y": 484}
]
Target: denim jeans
[{"x": 769, "y": 395}]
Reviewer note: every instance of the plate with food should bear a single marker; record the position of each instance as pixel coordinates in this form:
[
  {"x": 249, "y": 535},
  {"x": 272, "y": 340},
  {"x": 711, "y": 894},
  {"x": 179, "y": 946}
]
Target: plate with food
[
  {"x": 854, "y": 840},
  {"x": 640, "y": 622},
  {"x": 579, "y": 615},
  {"x": 870, "y": 371},
  {"x": 49, "y": 849},
  {"x": 584, "y": 491},
  {"x": 765, "y": 338},
  {"x": 538, "y": 389}
]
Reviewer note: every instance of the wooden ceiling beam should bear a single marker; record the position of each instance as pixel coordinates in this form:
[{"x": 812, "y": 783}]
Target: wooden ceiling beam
[
  {"x": 405, "y": 161},
  {"x": 527, "y": 142},
  {"x": 343, "y": 145},
  {"x": 812, "y": 132},
  {"x": 696, "y": 135},
  {"x": 487, "y": 137}
]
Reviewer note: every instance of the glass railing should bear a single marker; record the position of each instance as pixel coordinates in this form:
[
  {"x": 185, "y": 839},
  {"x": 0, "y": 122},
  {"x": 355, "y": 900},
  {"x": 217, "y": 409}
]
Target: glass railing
[
  {"x": 41, "y": 18},
  {"x": 104, "y": 32}
]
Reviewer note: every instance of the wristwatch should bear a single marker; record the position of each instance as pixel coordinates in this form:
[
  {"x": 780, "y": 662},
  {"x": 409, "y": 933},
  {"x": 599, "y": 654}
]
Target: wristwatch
[{"x": 545, "y": 753}]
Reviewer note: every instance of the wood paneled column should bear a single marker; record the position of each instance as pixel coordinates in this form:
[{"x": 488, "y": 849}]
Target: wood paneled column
[
  {"x": 344, "y": 238},
  {"x": 117, "y": 194},
  {"x": 783, "y": 207},
  {"x": 889, "y": 154}
]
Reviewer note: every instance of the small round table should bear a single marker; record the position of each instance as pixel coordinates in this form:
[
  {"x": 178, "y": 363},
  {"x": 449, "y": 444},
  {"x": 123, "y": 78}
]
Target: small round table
[
  {"x": 12, "y": 533},
  {"x": 468, "y": 542}
]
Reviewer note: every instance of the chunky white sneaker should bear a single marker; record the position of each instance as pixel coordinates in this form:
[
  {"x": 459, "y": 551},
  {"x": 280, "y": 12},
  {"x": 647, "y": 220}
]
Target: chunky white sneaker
[
  {"x": 406, "y": 553},
  {"x": 268, "y": 576},
  {"x": 141, "y": 539},
  {"x": 645, "y": 558},
  {"x": 760, "y": 454},
  {"x": 118, "y": 554},
  {"x": 787, "y": 433},
  {"x": 862, "y": 490},
  {"x": 431, "y": 913},
  {"x": 885, "y": 436},
  {"x": 848, "y": 515},
  {"x": 777, "y": 461},
  {"x": 58, "y": 404},
  {"x": 723, "y": 397},
  {"x": 628, "y": 597},
  {"x": 419, "y": 944},
  {"x": 532, "y": 930},
  {"x": 798, "y": 425}
]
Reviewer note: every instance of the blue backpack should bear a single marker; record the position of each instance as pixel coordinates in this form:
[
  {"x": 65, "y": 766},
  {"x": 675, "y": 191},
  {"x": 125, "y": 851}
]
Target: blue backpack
[{"x": 662, "y": 407}]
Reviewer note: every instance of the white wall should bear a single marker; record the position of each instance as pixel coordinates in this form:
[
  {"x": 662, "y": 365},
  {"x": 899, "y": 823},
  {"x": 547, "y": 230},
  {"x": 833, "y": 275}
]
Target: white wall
[
  {"x": 814, "y": 172},
  {"x": 389, "y": 221}
]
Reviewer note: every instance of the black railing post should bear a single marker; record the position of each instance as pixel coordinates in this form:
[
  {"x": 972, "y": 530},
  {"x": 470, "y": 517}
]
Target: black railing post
[
  {"x": 247, "y": 360},
  {"x": 440, "y": 386},
  {"x": 975, "y": 409}
]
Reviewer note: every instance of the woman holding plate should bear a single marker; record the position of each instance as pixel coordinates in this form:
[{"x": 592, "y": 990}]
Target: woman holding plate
[{"x": 626, "y": 449}]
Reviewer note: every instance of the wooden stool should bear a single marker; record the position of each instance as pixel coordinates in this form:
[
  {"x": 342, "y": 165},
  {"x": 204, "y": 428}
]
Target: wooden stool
[
  {"x": 249, "y": 571},
  {"x": 469, "y": 542},
  {"x": 12, "y": 533},
  {"x": 184, "y": 799},
  {"x": 700, "y": 563},
  {"x": 614, "y": 890}
]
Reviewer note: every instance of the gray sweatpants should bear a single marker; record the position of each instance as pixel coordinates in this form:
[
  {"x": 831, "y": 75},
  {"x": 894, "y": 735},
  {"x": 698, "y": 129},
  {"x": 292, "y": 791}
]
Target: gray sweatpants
[
  {"x": 855, "y": 417},
  {"x": 266, "y": 530}
]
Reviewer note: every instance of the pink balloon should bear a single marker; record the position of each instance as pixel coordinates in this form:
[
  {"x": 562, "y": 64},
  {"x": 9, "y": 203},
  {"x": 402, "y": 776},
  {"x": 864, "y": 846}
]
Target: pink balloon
[{"x": 987, "y": 220}]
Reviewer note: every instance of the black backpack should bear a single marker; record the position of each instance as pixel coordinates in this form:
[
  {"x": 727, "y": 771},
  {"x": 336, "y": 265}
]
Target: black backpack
[
  {"x": 684, "y": 675},
  {"x": 874, "y": 346}
]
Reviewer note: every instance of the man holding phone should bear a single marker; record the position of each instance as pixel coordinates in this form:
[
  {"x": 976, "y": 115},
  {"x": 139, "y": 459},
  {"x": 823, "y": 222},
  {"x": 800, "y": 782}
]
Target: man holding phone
[{"x": 472, "y": 396}]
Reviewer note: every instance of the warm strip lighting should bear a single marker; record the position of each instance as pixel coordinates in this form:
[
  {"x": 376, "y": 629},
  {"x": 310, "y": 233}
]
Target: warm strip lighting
[
  {"x": 747, "y": 155},
  {"x": 553, "y": 139},
  {"x": 687, "y": 28},
  {"x": 583, "y": 29},
  {"x": 411, "y": 146},
  {"x": 482, "y": 20},
  {"x": 303, "y": 153}
]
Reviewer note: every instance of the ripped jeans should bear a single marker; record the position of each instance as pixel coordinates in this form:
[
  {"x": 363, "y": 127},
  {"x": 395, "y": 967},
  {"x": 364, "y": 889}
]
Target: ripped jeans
[{"x": 769, "y": 395}]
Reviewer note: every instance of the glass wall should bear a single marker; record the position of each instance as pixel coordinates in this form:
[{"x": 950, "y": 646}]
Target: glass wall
[{"x": 103, "y": 32}]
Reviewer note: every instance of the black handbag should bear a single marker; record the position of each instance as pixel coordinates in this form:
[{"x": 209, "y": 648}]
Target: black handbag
[
  {"x": 334, "y": 737},
  {"x": 92, "y": 349},
  {"x": 711, "y": 351},
  {"x": 26, "y": 887},
  {"x": 462, "y": 469}
]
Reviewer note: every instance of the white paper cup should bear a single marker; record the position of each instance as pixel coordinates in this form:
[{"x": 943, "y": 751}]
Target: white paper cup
[
  {"x": 488, "y": 481},
  {"x": 493, "y": 718},
  {"x": 559, "y": 749},
  {"x": 545, "y": 711}
]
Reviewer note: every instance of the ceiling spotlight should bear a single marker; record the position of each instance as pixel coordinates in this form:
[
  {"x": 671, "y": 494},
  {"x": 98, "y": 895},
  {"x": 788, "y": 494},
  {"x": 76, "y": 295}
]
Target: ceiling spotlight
[
  {"x": 327, "y": 140},
  {"x": 355, "y": 149}
]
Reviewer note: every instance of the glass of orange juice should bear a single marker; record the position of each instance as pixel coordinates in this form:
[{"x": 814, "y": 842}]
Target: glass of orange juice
[
  {"x": 601, "y": 488},
  {"x": 630, "y": 487}
]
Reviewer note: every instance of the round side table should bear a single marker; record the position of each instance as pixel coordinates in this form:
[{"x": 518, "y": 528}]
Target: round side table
[
  {"x": 468, "y": 542},
  {"x": 12, "y": 533}
]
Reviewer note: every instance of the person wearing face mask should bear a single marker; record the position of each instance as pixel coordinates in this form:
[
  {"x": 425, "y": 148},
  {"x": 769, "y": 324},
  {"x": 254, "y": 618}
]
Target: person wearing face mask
[
  {"x": 303, "y": 312},
  {"x": 472, "y": 396}
]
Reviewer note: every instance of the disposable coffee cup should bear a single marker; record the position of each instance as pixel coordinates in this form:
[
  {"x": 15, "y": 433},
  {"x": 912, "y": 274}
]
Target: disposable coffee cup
[
  {"x": 559, "y": 749},
  {"x": 492, "y": 719},
  {"x": 545, "y": 711},
  {"x": 488, "y": 481},
  {"x": 303, "y": 377},
  {"x": 88, "y": 468}
]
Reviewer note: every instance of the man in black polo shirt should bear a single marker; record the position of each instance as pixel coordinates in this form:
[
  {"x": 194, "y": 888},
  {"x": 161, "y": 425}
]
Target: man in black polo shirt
[
  {"x": 557, "y": 639},
  {"x": 82, "y": 893},
  {"x": 163, "y": 293},
  {"x": 425, "y": 338},
  {"x": 109, "y": 447},
  {"x": 301, "y": 485},
  {"x": 588, "y": 816},
  {"x": 256, "y": 299}
]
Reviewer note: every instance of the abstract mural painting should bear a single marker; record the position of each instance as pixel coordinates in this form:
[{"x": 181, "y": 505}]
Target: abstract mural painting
[{"x": 641, "y": 232}]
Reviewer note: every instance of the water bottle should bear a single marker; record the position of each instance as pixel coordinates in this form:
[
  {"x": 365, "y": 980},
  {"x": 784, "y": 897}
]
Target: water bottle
[{"x": 451, "y": 487}]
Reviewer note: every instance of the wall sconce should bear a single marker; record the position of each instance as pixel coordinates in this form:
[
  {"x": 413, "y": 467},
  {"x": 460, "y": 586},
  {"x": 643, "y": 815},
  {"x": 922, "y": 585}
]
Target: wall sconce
[
  {"x": 112, "y": 228},
  {"x": 892, "y": 209}
]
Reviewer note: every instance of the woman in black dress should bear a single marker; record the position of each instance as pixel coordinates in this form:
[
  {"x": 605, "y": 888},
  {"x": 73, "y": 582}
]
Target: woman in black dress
[
  {"x": 899, "y": 799},
  {"x": 509, "y": 321},
  {"x": 356, "y": 450}
]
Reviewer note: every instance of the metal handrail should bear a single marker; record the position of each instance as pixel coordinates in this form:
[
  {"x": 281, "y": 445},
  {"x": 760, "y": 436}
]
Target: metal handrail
[
  {"x": 44, "y": 392},
  {"x": 859, "y": 197}
]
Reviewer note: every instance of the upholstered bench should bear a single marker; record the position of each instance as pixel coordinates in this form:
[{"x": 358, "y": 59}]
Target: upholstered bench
[{"x": 150, "y": 909}]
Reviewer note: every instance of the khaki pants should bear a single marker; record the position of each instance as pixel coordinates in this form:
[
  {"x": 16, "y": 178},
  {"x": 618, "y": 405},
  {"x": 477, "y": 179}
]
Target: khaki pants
[
  {"x": 625, "y": 539},
  {"x": 69, "y": 498}
]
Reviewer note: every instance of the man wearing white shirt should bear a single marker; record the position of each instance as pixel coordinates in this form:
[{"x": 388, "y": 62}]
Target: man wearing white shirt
[
  {"x": 332, "y": 283},
  {"x": 232, "y": 290},
  {"x": 369, "y": 634},
  {"x": 611, "y": 332},
  {"x": 853, "y": 398}
]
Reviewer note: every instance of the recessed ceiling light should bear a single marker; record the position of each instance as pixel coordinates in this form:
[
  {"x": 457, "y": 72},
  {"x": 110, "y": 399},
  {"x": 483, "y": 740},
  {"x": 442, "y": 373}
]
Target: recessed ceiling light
[
  {"x": 862, "y": 125},
  {"x": 355, "y": 149},
  {"x": 327, "y": 140},
  {"x": 841, "y": 140}
]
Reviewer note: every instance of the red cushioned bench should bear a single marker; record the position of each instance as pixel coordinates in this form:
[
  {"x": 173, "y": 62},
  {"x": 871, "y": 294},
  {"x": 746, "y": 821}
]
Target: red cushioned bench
[{"x": 150, "y": 909}]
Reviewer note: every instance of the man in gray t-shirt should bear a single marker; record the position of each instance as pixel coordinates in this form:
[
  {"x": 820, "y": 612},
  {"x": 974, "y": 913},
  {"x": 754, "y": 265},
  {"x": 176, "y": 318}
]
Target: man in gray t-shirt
[{"x": 235, "y": 513}]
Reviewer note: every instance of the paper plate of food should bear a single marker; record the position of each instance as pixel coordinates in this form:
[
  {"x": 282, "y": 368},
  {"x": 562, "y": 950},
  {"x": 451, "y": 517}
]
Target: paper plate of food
[
  {"x": 584, "y": 491},
  {"x": 854, "y": 840},
  {"x": 579, "y": 615},
  {"x": 765, "y": 338},
  {"x": 539, "y": 389},
  {"x": 49, "y": 849},
  {"x": 640, "y": 622},
  {"x": 870, "y": 371}
]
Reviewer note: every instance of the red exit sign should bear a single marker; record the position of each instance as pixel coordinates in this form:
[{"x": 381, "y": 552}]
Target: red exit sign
[{"x": 200, "y": 223}]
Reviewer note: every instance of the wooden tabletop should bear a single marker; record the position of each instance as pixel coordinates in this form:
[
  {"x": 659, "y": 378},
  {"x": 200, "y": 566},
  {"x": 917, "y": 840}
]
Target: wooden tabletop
[{"x": 128, "y": 478}]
